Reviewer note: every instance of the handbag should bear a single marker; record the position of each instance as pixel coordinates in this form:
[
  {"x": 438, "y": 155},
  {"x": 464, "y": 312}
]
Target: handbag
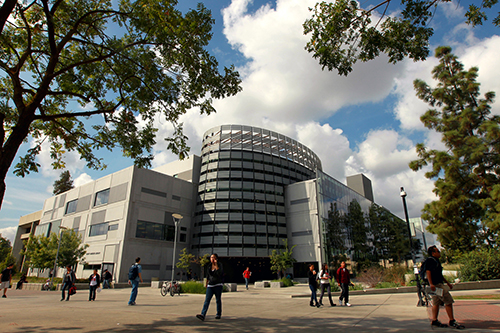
[{"x": 72, "y": 290}]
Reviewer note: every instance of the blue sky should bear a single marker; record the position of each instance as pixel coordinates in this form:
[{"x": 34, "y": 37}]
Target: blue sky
[{"x": 367, "y": 122}]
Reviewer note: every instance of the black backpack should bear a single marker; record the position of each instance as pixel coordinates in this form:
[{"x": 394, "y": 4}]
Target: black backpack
[
  {"x": 423, "y": 269},
  {"x": 133, "y": 272}
]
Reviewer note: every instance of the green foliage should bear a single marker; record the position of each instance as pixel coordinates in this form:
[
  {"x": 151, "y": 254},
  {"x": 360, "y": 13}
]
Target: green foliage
[
  {"x": 63, "y": 184},
  {"x": 193, "y": 287},
  {"x": 387, "y": 285},
  {"x": 396, "y": 274},
  {"x": 202, "y": 261},
  {"x": 40, "y": 251},
  {"x": 343, "y": 33},
  {"x": 128, "y": 62},
  {"x": 467, "y": 173},
  {"x": 185, "y": 260},
  {"x": 5, "y": 249},
  {"x": 286, "y": 282},
  {"x": 480, "y": 265},
  {"x": 282, "y": 260},
  {"x": 9, "y": 259},
  {"x": 355, "y": 286}
]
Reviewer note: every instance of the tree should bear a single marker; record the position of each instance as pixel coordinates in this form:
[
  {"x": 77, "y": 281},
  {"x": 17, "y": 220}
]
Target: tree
[
  {"x": 282, "y": 260},
  {"x": 127, "y": 63},
  {"x": 63, "y": 184},
  {"x": 40, "y": 250},
  {"x": 5, "y": 248},
  {"x": 185, "y": 260},
  {"x": 202, "y": 261},
  {"x": 343, "y": 33},
  {"x": 335, "y": 242},
  {"x": 358, "y": 231},
  {"x": 467, "y": 173}
]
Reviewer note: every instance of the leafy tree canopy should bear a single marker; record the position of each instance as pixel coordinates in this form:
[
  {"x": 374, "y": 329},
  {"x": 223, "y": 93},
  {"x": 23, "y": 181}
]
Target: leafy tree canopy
[
  {"x": 467, "y": 173},
  {"x": 63, "y": 184},
  {"x": 40, "y": 251},
  {"x": 5, "y": 248},
  {"x": 342, "y": 32},
  {"x": 126, "y": 62},
  {"x": 283, "y": 259}
]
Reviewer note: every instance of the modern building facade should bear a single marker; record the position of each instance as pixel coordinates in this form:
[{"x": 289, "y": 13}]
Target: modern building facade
[{"x": 250, "y": 190}]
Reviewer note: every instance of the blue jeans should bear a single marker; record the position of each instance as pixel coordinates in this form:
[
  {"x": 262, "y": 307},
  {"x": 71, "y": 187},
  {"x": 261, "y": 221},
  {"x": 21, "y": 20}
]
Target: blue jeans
[
  {"x": 217, "y": 291},
  {"x": 92, "y": 290},
  {"x": 313, "y": 294},
  {"x": 135, "y": 289},
  {"x": 345, "y": 292},
  {"x": 246, "y": 282},
  {"x": 105, "y": 284},
  {"x": 65, "y": 286}
]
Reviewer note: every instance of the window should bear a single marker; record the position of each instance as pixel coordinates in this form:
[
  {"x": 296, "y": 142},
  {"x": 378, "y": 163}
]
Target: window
[
  {"x": 182, "y": 238},
  {"x": 98, "y": 229},
  {"x": 101, "y": 197},
  {"x": 71, "y": 206},
  {"x": 150, "y": 230},
  {"x": 113, "y": 227}
]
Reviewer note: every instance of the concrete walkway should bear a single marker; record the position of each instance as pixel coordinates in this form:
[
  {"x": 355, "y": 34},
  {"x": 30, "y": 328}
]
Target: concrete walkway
[{"x": 255, "y": 310}]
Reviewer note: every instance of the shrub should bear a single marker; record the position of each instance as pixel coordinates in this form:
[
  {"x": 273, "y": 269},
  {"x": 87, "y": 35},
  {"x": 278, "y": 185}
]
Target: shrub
[
  {"x": 480, "y": 265},
  {"x": 286, "y": 282},
  {"x": 372, "y": 276},
  {"x": 387, "y": 285},
  {"x": 396, "y": 274},
  {"x": 193, "y": 287},
  {"x": 355, "y": 287}
]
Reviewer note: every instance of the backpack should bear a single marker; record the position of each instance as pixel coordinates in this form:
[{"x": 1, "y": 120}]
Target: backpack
[
  {"x": 133, "y": 272},
  {"x": 423, "y": 269}
]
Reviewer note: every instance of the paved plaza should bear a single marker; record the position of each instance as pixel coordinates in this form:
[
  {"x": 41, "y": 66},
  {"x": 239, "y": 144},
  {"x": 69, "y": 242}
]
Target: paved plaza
[{"x": 255, "y": 310}]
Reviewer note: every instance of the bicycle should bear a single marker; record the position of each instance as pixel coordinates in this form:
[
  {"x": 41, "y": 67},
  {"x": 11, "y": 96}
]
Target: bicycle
[
  {"x": 169, "y": 288},
  {"x": 423, "y": 292}
]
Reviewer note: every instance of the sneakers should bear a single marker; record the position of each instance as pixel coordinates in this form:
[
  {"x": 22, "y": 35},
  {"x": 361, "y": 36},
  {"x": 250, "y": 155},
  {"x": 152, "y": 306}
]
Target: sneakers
[
  {"x": 318, "y": 305},
  {"x": 3, "y": 296},
  {"x": 347, "y": 304},
  {"x": 437, "y": 323},
  {"x": 455, "y": 324},
  {"x": 340, "y": 302},
  {"x": 201, "y": 317},
  {"x": 217, "y": 317},
  {"x": 311, "y": 303}
]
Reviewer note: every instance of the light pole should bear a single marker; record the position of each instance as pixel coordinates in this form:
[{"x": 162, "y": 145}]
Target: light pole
[
  {"x": 62, "y": 228},
  {"x": 177, "y": 219},
  {"x": 415, "y": 268}
]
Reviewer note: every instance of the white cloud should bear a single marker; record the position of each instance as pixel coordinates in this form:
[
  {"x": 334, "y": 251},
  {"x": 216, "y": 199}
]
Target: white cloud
[
  {"x": 82, "y": 180},
  {"x": 9, "y": 233}
]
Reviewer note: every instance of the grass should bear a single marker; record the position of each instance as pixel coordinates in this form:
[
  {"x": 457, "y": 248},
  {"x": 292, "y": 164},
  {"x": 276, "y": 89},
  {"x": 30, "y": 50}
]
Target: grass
[{"x": 477, "y": 297}]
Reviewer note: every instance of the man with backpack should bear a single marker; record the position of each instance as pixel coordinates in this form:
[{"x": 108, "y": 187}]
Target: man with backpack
[
  {"x": 434, "y": 273},
  {"x": 134, "y": 276}
]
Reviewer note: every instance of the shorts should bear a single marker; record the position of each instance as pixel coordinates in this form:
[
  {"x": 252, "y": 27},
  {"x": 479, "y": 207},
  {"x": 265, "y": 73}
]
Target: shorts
[
  {"x": 4, "y": 285},
  {"x": 446, "y": 299}
]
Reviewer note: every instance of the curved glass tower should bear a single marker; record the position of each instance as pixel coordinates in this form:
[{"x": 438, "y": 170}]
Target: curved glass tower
[{"x": 240, "y": 210}]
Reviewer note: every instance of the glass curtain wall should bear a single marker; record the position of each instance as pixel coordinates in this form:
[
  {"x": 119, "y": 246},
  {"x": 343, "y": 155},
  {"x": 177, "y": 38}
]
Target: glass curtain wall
[{"x": 240, "y": 208}]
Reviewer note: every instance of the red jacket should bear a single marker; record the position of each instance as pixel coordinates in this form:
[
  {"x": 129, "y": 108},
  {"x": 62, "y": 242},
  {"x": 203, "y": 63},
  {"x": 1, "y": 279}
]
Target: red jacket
[{"x": 343, "y": 275}]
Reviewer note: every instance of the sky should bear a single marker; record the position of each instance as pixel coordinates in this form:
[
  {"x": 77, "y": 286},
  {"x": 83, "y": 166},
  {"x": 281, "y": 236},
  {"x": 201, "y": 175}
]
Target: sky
[{"x": 367, "y": 122}]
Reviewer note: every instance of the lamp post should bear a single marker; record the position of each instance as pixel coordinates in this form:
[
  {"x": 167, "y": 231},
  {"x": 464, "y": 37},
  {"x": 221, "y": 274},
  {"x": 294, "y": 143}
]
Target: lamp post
[
  {"x": 177, "y": 219},
  {"x": 415, "y": 268},
  {"x": 62, "y": 228}
]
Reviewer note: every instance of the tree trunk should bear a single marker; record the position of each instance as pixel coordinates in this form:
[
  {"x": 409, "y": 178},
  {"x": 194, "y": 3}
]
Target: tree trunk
[{"x": 5, "y": 11}]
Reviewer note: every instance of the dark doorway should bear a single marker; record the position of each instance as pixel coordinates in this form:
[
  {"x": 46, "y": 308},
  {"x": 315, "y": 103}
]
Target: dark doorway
[{"x": 234, "y": 267}]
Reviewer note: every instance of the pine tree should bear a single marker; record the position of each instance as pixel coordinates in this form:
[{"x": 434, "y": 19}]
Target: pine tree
[
  {"x": 63, "y": 184},
  {"x": 467, "y": 173}
]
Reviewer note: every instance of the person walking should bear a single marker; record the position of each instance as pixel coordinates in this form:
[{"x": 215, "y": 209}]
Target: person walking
[
  {"x": 246, "y": 276},
  {"x": 313, "y": 286},
  {"x": 344, "y": 280},
  {"x": 324, "y": 279},
  {"x": 69, "y": 280},
  {"x": 94, "y": 283},
  {"x": 434, "y": 272},
  {"x": 106, "y": 276},
  {"x": 214, "y": 285},
  {"x": 6, "y": 279},
  {"x": 134, "y": 276}
]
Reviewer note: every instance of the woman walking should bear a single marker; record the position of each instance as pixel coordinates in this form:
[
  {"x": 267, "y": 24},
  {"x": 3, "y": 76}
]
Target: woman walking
[
  {"x": 68, "y": 279},
  {"x": 214, "y": 286},
  {"x": 94, "y": 283},
  {"x": 324, "y": 278},
  {"x": 313, "y": 285}
]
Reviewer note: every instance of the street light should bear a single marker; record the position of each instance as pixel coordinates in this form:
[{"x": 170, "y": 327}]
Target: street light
[
  {"x": 62, "y": 228},
  {"x": 177, "y": 219},
  {"x": 415, "y": 268}
]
